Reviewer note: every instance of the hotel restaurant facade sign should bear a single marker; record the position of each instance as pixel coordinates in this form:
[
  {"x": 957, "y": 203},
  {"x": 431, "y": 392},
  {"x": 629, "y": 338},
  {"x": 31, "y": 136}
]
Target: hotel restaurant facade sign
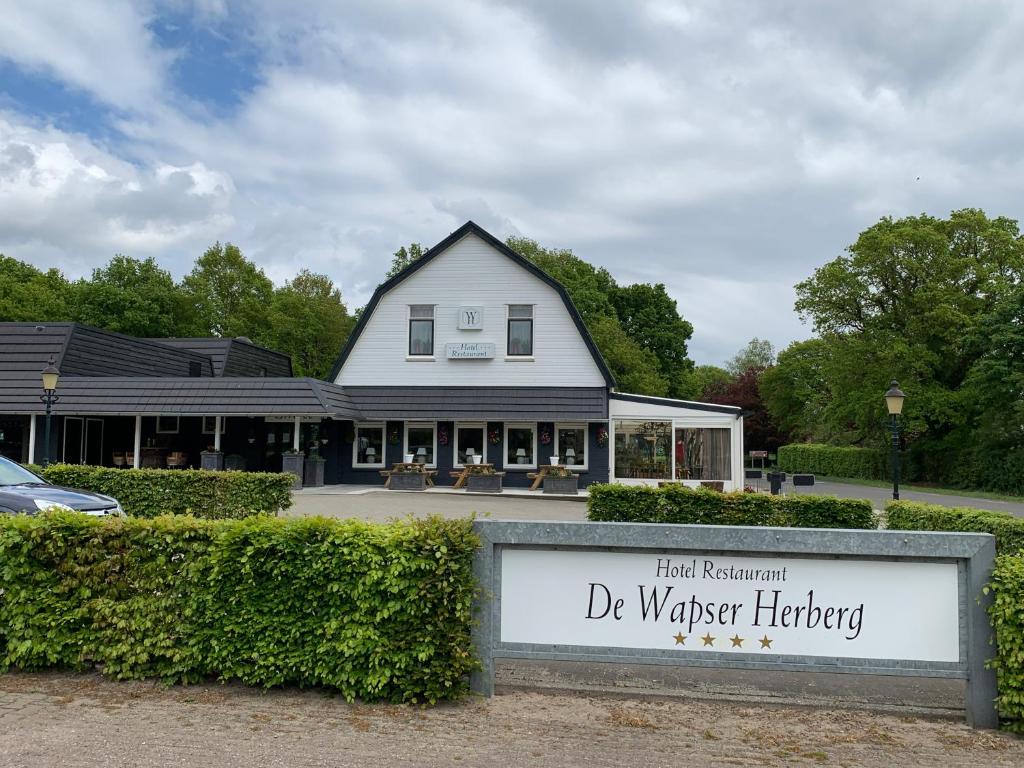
[{"x": 869, "y": 602}]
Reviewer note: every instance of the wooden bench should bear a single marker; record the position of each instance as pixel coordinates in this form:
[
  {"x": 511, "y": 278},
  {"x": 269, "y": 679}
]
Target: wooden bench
[{"x": 387, "y": 473}]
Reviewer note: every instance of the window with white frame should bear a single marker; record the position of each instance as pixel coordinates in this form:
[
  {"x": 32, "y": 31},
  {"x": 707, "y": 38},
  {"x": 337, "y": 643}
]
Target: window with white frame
[
  {"x": 520, "y": 330},
  {"x": 368, "y": 448},
  {"x": 571, "y": 444},
  {"x": 520, "y": 446},
  {"x": 470, "y": 441},
  {"x": 421, "y": 330},
  {"x": 703, "y": 453},
  {"x": 420, "y": 442}
]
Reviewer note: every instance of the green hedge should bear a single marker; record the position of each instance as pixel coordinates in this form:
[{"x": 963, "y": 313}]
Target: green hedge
[
  {"x": 152, "y": 492},
  {"x": 378, "y": 612},
  {"x": 916, "y": 516},
  {"x": 1008, "y": 619},
  {"x": 835, "y": 461},
  {"x": 679, "y": 504}
]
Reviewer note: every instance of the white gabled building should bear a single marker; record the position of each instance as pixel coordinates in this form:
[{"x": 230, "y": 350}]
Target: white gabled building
[{"x": 474, "y": 350}]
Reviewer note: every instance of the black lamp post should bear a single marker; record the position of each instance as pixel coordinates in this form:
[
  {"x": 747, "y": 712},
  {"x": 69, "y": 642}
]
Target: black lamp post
[
  {"x": 894, "y": 403},
  {"x": 50, "y": 378}
]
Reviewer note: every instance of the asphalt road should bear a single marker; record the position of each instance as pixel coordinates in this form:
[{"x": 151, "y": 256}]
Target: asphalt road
[{"x": 881, "y": 496}]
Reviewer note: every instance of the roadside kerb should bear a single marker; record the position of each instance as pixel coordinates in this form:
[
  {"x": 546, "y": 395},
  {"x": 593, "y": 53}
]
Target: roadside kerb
[{"x": 972, "y": 553}]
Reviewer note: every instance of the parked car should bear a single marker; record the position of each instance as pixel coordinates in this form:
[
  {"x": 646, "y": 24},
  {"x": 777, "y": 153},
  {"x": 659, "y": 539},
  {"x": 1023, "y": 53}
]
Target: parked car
[{"x": 24, "y": 492}]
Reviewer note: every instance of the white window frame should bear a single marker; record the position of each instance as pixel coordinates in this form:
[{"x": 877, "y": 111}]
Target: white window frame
[
  {"x": 533, "y": 331},
  {"x": 479, "y": 425},
  {"x": 355, "y": 444},
  {"x": 519, "y": 467},
  {"x": 408, "y": 333},
  {"x": 419, "y": 425},
  {"x": 586, "y": 443}
]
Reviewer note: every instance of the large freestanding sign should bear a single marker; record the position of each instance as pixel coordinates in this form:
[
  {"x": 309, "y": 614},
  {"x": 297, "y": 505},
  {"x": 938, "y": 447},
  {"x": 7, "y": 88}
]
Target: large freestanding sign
[{"x": 870, "y": 602}]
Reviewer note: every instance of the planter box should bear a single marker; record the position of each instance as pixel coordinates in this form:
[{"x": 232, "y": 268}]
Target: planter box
[
  {"x": 566, "y": 485},
  {"x": 313, "y": 476},
  {"x": 211, "y": 460},
  {"x": 484, "y": 483},
  {"x": 408, "y": 481},
  {"x": 292, "y": 463}
]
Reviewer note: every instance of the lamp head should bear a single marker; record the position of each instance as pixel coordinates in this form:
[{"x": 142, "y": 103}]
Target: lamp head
[
  {"x": 894, "y": 399},
  {"x": 50, "y": 376}
]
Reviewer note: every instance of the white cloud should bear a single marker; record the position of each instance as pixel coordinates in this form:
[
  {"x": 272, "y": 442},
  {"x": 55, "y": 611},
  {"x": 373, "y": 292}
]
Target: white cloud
[{"x": 726, "y": 152}]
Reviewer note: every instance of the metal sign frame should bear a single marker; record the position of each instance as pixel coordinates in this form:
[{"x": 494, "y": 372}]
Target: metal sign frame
[{"x": 974, "y": 554}]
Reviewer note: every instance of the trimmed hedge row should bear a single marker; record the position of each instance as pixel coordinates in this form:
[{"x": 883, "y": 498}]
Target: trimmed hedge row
[
  {"x": 378, "y": 612},
  {"x": 679, "y": 504},
  {"x": 916, "y": 516},
  {"x": 152, "y": 492},
  {"x": 835, "y": 461},
  {"x": 1007, "y": 611}
]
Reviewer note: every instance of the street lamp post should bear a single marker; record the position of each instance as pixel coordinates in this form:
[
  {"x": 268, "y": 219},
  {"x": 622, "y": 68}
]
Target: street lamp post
[
  {"x": 894, "y": 404},
  {"x": 50, "y": 378}
]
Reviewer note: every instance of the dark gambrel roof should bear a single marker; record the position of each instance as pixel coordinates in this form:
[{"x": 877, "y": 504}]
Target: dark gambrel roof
[
  {"x": 235, "y": 357},
  {"x": 481, "y": 403},
  {"x": 80, "y": 350},
  {"x": 471, "y": 228},
  {"x": 207, "y": 396}
]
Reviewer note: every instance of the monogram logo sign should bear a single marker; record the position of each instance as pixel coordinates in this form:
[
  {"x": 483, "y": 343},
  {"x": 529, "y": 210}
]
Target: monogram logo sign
[{"x": 471, "y": 318}]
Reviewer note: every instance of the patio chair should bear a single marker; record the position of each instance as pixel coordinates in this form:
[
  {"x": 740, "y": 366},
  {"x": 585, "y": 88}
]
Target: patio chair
[
  {"x": 119, "y": 459},
  {"x": 177, "y": 460},
  {"x": 129, "y": 459}
]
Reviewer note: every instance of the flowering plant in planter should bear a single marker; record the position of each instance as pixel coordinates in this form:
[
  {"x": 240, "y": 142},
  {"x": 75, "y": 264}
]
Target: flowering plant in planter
[
  {"x": 480, "y": 469},
  {"x": 559, "y": 472},
  {"x": 494, "y": 437},
  {"x": 602, "y": 436}
]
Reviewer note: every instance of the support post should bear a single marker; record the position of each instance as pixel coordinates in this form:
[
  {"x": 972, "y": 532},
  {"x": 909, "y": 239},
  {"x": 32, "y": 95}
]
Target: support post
[
  {"x": 481, "y": 681},
  {"x": 981, "y": 680},
  {"x": 216, "y": 433},
  {"x": 32, "y": 439},
  {"x": 137, "y": 448},
  {"x": 895, "y": 427},
  {"x": 47, "y": 447},
  {"x": 295, "y": 437}
]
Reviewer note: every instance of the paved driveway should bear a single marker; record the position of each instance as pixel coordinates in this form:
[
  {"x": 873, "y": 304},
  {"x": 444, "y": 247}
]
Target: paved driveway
[{"x": 881, "y": 496}]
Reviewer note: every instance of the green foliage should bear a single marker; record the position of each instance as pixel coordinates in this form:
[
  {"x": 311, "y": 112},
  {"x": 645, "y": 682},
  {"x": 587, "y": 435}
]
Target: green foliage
[
  {"x": 702, "y": 379},
  {"x": 133, "y": 297},
  {"x": 916, "y": 516},
  {"x": 759, "y": 353},
  {"x": 152, "y": 492},
  {"x": 678, "y": 504},
  {"x": 1008, "y": 620},
  {"x": 795, "y": 390},
  {"x": 635, "y": 369},
  {"x": 30, "y": 295},
  {"x": 649, "y": 317},
  {"x": 405, "y": 257},
  {"x": 309, "y": 321},
  {"x": 377, "y": 612},
  {"x": 835, "y": 461},
  {"x": 228, "y": 294}
]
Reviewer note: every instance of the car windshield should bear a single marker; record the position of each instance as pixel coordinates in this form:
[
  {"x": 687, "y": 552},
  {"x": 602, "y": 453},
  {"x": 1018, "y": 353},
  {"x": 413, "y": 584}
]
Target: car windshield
[{"x": 15, "y": 474}]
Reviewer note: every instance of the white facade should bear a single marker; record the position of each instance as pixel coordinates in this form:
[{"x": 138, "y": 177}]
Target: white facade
[{"x": 471, "y": 274}]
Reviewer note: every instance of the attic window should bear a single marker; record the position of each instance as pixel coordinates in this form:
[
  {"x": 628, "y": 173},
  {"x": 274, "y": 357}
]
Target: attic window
[
  {"x": 195, "y": 370},
  {"x": 421, "y": 330},
  {"x": 520, "y": 330}
]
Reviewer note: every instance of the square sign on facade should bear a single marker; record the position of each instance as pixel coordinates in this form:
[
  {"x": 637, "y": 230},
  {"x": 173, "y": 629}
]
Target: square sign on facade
[{"x": 471, "y": 318}]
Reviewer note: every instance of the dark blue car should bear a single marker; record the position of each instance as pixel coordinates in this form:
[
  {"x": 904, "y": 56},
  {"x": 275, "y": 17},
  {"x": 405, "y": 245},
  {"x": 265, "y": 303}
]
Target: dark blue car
[{"x": 22, "y": 492}]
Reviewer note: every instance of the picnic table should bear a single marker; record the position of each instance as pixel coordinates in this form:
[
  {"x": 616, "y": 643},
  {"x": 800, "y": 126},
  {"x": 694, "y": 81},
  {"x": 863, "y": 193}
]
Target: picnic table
[
  {"x": 541, "y": 473},
  {"x": 407, "y": 467},
  {"x": 464, "y": 473}
]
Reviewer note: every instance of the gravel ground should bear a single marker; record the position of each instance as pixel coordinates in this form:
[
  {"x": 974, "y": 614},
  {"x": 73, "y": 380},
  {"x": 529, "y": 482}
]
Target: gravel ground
[{"x": 60, "y": 719}]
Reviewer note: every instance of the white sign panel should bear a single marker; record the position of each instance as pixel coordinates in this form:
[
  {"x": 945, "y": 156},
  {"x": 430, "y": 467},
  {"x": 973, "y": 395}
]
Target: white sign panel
[
  {"x": 469, "y": 350},
  {"x": 471, "y": 318},
  {"x": 868, "y": 609}
]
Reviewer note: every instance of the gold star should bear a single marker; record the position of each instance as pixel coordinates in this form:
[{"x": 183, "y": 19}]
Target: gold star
[
  {"x": 708, "y": 639},
  {"x": 765, "y": 642},
  {"x": 737, "y": 641},
  {"x": 680, "y": 639}
]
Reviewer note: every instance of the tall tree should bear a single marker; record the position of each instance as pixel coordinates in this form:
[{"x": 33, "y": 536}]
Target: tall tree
[
  {"x": 701, "y": 379},
  {"x": 28, "y": 294},
  {"x": 759, "y": 353},
  {"x": 309, "y": 321},
  {"x": 228, "y": 294},
  {"x": 650, "y": 317},
  {"x": 759, "y": 429},
  {"x": 133, "y": 297}
]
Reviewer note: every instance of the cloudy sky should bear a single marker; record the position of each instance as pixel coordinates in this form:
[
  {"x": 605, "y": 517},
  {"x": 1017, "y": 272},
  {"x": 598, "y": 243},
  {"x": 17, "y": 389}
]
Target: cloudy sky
[{"x": 723, "y": 148}]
